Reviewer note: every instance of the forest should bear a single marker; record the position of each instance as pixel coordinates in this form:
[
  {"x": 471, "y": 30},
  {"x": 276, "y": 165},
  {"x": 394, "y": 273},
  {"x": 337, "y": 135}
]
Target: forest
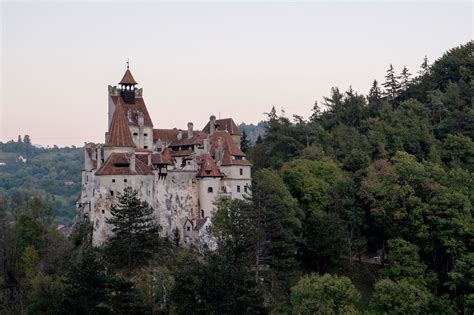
[{"x": 363, "y": 208}]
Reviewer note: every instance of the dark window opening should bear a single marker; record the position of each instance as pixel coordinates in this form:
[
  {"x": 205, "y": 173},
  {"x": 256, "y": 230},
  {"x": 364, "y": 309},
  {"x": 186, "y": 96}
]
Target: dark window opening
[
  {"x": 125, "y": 180},
  {"x": 145, "y": 134},
  {"x": 111, "y": 192},
  {"x": 245, "y": 188},
  {"x": 113, "y": 180},
  {"x": 122, "y": 165},
  {"x": 135, "y": 134},
  {"x": 237, "y": 157},
  {"x": 238, "y": 188},
  {"x": 103, "y": 211},
  {"x": 202, "y": 213},
  {"x": 188, "y": 228},
  {"x": 209, "y": 189},
  {"x": 145, "y": 147},
  {"x": 241, "y": 172}
]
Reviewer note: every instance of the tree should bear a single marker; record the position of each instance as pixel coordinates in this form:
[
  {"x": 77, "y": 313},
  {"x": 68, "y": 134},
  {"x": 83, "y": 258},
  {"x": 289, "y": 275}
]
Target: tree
[
  {"x": 134, "y": 227},
  {"x": 375, "y": 94},
  {"x": 391, "y": 84},
  {"x": 278, "y": 228},
  {"x": 19, "y": 139},
  {"x": 27, "y": 140},
  {"x": 244, "y": 142},
  {"x": 400, "y": 297},
  {"x": 324, "y": 295},
  {"x": 405, "y": 79},
  {"x": 424, "y": 67},
  {"x": 404, "y": 261}
]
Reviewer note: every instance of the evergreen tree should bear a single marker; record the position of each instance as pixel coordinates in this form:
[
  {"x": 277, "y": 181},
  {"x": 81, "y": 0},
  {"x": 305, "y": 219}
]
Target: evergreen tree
[
  {"x": 135, "y": 231},
  {"x": 244, "y": 142},
  {"x": 19, "y": 139},
  {"x": 27, "y": 140},
  {"x": 425, "y": 67},
  {"x": 405, "y": 79},
  {"x": 375, "y": 94},
  {"x": 316, "y": 112},
  {"x": 391, "y": 84}
]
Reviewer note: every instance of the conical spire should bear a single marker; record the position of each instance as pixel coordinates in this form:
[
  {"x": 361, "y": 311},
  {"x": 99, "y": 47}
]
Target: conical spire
[
  {"x": 128, "y": 78},
  {"x": 119, "y": 133}
]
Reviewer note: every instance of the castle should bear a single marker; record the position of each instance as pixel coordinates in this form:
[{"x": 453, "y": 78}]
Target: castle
[{"x": 179, "y": 173}]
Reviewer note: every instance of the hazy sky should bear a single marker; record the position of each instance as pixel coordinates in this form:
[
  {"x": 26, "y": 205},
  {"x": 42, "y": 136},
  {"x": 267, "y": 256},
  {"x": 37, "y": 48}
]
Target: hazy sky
[{"x": 194, "y": 59}]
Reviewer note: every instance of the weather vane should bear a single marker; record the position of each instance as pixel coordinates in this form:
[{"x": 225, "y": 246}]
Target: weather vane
[{"x": 128, "y": 63}]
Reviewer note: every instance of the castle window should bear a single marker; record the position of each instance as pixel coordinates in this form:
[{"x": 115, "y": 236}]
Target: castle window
[
  {"x": 238, "y": 188},
  {"x": 145, "y": 134},
  {"x": 246, "y": 188},
  {"x": 135, "y": 134},
  {"x": 145, "y": 147},
  {"x": 188, "y": 228},
  {"x": 159, "y": 149},
  {"x": 210, "y": 190},
  {"x": 103, "y": 211},
  {"x": 239, "y": 157},
  {"x": 113, "y": 180},
  {"x": 125, "y": 180},
  {"x": 241, "y": 172},
  {"x": 111, "y": 192},
  {"x": 202, "y": 213}
]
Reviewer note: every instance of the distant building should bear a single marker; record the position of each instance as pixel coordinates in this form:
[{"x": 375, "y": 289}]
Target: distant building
[
  {"x": 21, "y": 159},
  {"x": 3, "y": 163},
  {"x": 181, "y": 173}
]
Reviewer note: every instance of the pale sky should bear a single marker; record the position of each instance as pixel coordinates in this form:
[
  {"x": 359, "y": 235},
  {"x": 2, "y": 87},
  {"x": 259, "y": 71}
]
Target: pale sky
[{"x": 195, "y": 59}]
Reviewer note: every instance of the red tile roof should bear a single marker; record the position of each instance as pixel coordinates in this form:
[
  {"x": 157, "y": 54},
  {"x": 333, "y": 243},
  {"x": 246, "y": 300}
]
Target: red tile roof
[
  {"x": 224, "y": 124},
  {"x": 165, "y": 135},
  {"x": 115, "y": 165},
  {"x": 230, "y": 149},
  {"x": 208, "y": 167},
  {"x": 197, "y": 138},
  {"x": 128, "y": 78},
  {"x": 119, "y": 133},
  {"x": 138, "y": 107},
  {"x": 167, "y": 156}
]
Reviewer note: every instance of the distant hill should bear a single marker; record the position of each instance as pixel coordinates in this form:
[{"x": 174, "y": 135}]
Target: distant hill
[
  {"x": 253, "y": 131},
  {"x": 54, "y": 174}
]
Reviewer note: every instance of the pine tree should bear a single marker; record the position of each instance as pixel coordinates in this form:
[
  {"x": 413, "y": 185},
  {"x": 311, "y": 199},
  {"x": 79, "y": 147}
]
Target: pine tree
[
  {"x": 316, "y": 112},
  {"x": 19, "y": 139},
  {"x": 375, "y": 93},
  {"x": 405, "y": 79},
  {"x": 425, "y": 67},
  {"x": 244, "y": 142},
  {"x": 135, "y": 231},
  {"x": 391, "y": 84}
]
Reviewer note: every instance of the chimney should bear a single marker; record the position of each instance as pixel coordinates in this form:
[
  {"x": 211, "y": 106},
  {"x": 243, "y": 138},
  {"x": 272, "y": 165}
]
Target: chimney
[
  {"x": 190, "y": 130},
  {"x": 132, "y": 162},
  {"x": 141, "y": 119},
  {"x": 180, "y": 134},
  {"x": 212, "y": 125},
  {"x": 149, "y": 159},
  {"x": 99, "y": 156}
]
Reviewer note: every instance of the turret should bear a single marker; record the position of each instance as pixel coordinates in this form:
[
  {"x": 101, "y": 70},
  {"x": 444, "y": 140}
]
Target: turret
[{"x": 127, "y": 87}]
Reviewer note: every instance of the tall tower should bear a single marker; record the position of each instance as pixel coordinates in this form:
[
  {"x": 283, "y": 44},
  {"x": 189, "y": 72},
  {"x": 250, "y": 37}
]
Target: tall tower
[{"x": 127, "y": 87}]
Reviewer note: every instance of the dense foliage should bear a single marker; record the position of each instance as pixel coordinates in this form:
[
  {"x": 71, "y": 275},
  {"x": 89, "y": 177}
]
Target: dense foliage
[
  {"x": 364, "y": 208},
  {"x": 53, "y": 174}
]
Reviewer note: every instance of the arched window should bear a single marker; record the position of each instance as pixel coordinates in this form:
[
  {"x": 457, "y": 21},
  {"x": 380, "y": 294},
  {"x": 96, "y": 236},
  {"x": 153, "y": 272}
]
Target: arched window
[{"x": 209, "y": 189}]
